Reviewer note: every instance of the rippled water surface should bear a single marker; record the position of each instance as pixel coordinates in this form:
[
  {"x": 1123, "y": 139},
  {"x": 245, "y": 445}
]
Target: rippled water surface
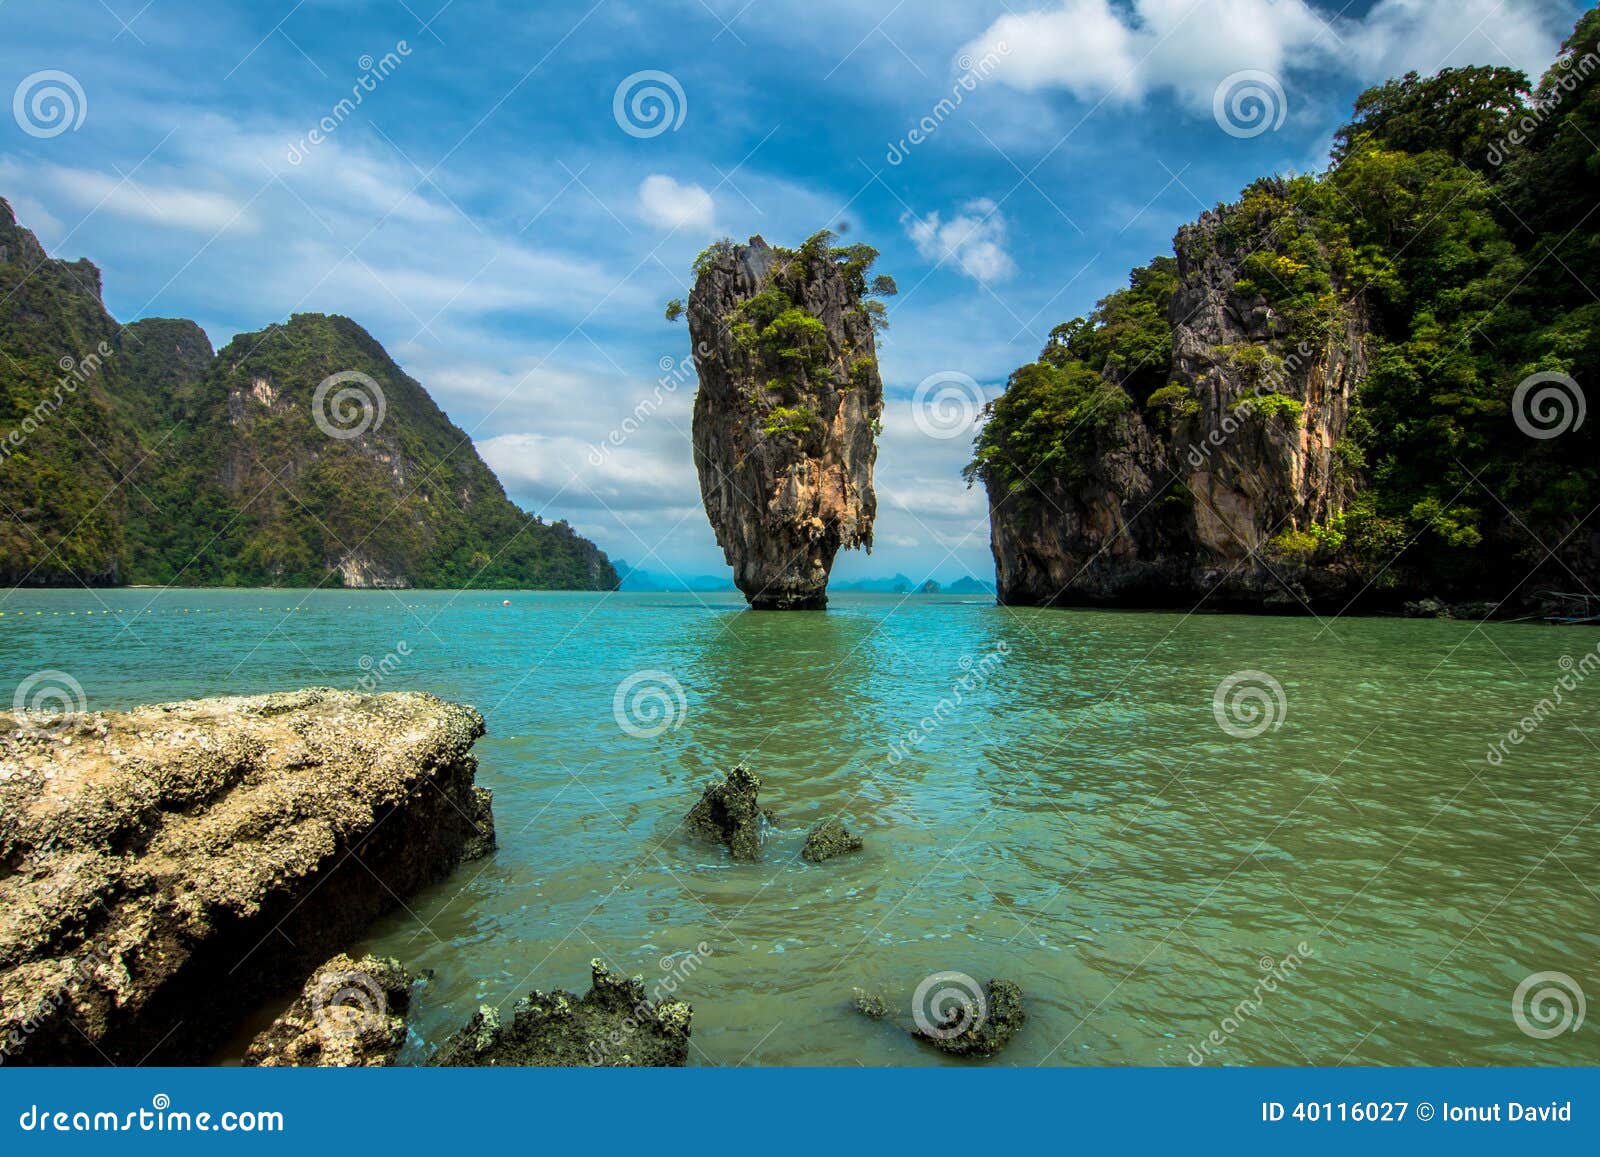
[{"x": 1079, "y": 821}]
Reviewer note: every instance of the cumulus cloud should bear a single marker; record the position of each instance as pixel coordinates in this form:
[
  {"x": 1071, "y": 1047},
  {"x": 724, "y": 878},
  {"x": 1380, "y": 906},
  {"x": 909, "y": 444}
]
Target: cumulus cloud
[
  {"x": 1100, "y": 51},
  {"x": 666, "y": 203},
  {"x": 973, "y": 238}
]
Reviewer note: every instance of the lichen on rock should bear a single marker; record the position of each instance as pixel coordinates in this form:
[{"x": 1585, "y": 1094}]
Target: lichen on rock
[
  {"x": 351, "y": 1013},
  {"x": 786, "y": 417},
  {"x": 613, "y": 1024}
]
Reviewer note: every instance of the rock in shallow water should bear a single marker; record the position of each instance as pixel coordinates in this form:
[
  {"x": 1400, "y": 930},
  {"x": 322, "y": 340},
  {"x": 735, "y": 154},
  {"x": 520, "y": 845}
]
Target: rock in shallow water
[
  {"x": 977, "y": 1024},
  {"x": 166, "y": 870},
  {"x": 351, "y": 1013},
  {"x": 786, "y": 415},
  {"x": 729, "y": 813},
  {"x": 829, "y": 838},
  {"x": 614, "y": 1024}
]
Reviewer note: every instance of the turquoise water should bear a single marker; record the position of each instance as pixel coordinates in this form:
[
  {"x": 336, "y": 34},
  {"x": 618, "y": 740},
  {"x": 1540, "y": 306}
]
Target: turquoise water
[{"x": 1080, "y": 822}]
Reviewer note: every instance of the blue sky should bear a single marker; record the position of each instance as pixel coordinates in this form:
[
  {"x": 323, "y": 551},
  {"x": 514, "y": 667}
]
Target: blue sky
[{"x": 511, "y": 240}]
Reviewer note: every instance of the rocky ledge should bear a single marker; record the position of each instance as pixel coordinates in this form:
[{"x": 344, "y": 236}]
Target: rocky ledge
[{"x": 167, "y": 869}]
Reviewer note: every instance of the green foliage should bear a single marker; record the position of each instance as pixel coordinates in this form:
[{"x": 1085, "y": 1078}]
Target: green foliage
[
  {"x": 1174, "y": 401},
  {"x": 1459, "y": 111},
  {"x": 1272, "y": 408},
  {"x": 675, "y": 309},
  {"x": 797, "y": 420},
  {"x": 1045, "y": 425}
]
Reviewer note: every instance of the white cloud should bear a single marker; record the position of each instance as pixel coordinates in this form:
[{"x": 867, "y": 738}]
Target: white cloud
[
  {"x": 1121, "y": 53},
  {"x": 666, "y": 203},
  {"x": 974, "y": 238},
  {"x": 175, "y": 206}
]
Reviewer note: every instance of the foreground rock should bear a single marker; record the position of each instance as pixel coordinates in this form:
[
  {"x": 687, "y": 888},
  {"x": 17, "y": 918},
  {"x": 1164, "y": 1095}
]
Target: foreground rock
[
  {"x": 614, "y": 1024},
  {"x": 829, "y": 838},
  {"x": 729, "y": 813},
  {"x": 786, "y": 415},
  {"x": 975, "y": 1028},
  {"x": 351, "y": 1013},
  {"x": 167, "y": 869}
]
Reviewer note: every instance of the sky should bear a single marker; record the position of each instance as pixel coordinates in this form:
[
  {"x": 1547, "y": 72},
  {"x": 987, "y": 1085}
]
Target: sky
[{"x": 522, "y": 187}]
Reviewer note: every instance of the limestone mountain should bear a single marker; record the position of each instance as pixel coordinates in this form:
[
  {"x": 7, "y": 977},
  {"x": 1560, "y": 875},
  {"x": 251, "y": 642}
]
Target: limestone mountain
[
  {"x": 1359, "y": 389},
  {"x": 299, "y": 455},
  {"x": 786, "y": 417}
]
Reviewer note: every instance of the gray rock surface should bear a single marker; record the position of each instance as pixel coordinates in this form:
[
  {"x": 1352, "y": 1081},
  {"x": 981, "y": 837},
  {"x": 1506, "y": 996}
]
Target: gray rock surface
[
  {"x": 351, "y": 1013},
  {"x": 784, "y": 429},
  {"x": 164, "y": 871}
]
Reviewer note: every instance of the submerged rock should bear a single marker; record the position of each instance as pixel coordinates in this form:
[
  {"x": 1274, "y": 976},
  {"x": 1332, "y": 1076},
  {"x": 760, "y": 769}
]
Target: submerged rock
[
  {"x": 165, "y": 870},
  {"x": 613, "y": 1024},
  {"x": 829, "y": 838},
  {"x": 970, "y": 1027},
  {"x": 729, "y": 813},
  {"x": 869, "y": 1004},
  {"x": 786, "y": 415},
  {"x": 351, "y": 1013}
]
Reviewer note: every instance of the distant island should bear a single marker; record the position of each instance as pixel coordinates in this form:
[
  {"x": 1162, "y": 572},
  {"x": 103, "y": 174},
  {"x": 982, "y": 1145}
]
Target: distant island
[{"x": 298, "y": 456}]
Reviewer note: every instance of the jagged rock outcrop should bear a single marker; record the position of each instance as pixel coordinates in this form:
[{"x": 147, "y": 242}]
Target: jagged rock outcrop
[
  {"x": 1182, "y": 496},
  {"x": 166, "y": 870},
  {"x": 786, "y": 416},
  {"x": 829, "y": 838},
  {"x": 978, "y": 1026},
  {"x": 350, "y": 1014},
  {"x": 730, "y": 813},
  {"x": 614, "y": 1024}
]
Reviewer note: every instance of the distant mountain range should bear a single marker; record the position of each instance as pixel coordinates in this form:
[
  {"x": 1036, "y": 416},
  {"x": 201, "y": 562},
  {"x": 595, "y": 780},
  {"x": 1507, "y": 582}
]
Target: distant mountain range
[
  {"x": 301, "y": 455},
  {"x": 649, "y": 582}
]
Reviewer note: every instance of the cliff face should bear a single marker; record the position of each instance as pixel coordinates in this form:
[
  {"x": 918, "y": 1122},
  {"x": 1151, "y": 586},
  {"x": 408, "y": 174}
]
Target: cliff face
[
  {"x": 164, "y": 871},
  {"x": 786, "y": 416},
  {"x": 135, "y": 454},
  {"x": 1188, "y": 491}
]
